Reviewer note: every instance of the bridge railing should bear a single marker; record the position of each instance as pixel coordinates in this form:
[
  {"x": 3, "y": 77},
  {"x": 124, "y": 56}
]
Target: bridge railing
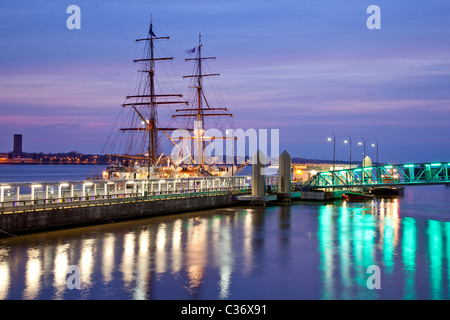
[{"x": 385, "y": 175}]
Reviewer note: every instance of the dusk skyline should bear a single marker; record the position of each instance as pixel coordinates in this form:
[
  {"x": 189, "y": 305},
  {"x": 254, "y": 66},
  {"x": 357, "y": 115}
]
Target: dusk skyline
[{"x": 308, "y": 68}]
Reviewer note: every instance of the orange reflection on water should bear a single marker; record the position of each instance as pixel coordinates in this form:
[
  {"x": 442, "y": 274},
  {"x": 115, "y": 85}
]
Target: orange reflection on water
[
  {"x": 108, "y": 262},
  {"x": 4, "y": 274},
  {"x": 33, "y": 274},
  {"x": 177, "y": 257},
  {"x": 160, "y": 253},
  {"x": 127, "y": 264},
  {"x": 196, "y": 252},
  {"x": 60, "y": 269}
]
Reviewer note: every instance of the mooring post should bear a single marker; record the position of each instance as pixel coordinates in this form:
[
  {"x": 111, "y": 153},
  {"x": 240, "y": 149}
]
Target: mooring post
[{"x": 284, "y": 175}]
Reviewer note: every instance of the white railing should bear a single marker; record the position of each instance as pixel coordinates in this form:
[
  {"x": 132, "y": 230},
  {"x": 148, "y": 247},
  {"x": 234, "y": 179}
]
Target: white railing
[{"x": 18, "y": 197}]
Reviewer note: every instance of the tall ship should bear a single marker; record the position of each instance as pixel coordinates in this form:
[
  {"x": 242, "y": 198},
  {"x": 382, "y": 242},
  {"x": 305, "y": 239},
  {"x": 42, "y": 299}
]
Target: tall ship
[{"x": 144, "y": 145}]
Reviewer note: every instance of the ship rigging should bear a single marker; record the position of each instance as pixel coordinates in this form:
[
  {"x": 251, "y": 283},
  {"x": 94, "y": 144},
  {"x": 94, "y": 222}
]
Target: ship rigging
[{"x": 147, "y": 130}]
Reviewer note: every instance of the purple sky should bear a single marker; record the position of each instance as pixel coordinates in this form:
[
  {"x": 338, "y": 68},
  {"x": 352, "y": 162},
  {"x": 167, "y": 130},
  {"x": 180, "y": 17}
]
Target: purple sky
[{"x": 306, "y": 67}]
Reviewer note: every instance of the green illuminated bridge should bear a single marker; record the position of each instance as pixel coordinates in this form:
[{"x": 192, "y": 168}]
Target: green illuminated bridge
[{"x": 383, "y": 176}]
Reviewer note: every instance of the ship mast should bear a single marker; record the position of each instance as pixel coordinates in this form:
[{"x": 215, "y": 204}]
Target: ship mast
[
  {"x": 150, "y": 101},
  {"x": 199, "y": 111}
]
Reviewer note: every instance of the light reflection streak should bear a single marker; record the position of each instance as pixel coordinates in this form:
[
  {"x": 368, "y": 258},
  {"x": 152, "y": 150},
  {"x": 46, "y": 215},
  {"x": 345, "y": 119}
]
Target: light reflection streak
[
  {"x": 177, "y": 256},
  {"x": 108, "y": 257},
  {"x": 434, "y": 231},
  {"x": 196, "y": 251},
  {"x": 326, "y": 236},
  {"x": 33, "y": 274},
  {"x": 86, "y": 262},
  {"x": 247, "y": 245},
  {"x": 5, "y": 276},
  {"x": 61, "y": 265},
  {"x": 160, "y": 254},
  {"x": 344, "y": 232},
  {"x": 141, "y": 290},
  {"x": 357, "y": 239},
  {"x": 127, "y": 265},
  {"x": 409, "y": 247},
  {"x": 447, "y": 244},
  {"x": 225, "y": 252}
]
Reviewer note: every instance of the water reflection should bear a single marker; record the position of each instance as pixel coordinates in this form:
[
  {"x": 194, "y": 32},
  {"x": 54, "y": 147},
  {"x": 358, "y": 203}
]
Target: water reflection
[
  {"x": 353, "y": 237},
  {"x": 409, "y": 247},
  {"x": 313, "y": 251}
]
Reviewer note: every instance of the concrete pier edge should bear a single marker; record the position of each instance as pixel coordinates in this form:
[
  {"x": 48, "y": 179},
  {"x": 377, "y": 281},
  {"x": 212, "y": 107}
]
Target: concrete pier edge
[{"x": 53, "y": 219}]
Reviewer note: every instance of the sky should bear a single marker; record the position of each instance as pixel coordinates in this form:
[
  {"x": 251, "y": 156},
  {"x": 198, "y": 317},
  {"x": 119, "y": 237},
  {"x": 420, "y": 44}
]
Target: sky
[{"x": 310, "y": 68}]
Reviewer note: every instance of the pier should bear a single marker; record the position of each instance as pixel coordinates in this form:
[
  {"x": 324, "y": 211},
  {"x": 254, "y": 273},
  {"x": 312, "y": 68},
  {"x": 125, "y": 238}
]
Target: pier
[{"x": 34, "y": 206}]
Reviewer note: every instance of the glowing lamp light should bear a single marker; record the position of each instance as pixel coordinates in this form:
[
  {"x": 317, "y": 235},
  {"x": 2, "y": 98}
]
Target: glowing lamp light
[
  {"x": 435, "y": 164},
  {"x": 299, "y": 171}
]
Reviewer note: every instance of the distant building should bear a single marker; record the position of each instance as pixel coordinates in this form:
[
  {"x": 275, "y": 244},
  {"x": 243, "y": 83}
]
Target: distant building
[{"x": 17, "y": 152}]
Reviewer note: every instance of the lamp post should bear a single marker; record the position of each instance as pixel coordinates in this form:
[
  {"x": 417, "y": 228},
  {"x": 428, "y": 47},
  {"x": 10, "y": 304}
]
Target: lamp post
[
  {"x": 376, "y": 145},
  {"x": 349, "y": 141},
  {"x": 363, "y": 144},
  {"x": 334, "y": 150}
]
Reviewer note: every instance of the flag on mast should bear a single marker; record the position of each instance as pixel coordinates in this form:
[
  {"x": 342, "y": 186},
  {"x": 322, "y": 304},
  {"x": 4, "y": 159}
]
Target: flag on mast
[
  {"x": 151, "y": 31},
  {"x": 190, "y": 50}
]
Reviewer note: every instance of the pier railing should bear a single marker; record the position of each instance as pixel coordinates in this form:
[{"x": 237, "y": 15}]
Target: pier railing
[{"x": 24, "y": 197}]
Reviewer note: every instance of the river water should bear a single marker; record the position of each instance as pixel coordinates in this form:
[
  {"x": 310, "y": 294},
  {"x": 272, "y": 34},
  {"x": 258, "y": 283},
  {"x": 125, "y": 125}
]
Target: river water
[{"x": 392, "y": 248}]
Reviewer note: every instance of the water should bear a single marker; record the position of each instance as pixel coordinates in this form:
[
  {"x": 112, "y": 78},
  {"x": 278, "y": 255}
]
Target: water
[
  {"x": 47, "y": 172},
  {"x": 302, "y": 251}
]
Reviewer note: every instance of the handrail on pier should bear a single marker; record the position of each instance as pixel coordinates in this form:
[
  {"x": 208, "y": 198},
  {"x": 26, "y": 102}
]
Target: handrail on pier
[{"x": 33, "y": 196}]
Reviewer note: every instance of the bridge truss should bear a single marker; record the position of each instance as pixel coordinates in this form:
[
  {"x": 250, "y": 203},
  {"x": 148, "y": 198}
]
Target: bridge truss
[{"x": 383, "y": 176}]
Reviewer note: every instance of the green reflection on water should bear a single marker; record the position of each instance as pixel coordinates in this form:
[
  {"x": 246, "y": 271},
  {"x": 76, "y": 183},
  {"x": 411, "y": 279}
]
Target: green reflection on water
[
  {"x": 326, "y": 247},
  {"x": 434, "y": 232},
  {"x": 345, "y": 251},
  {"x": 409, "y": 246},
  {"x": 352, "y": 238},
  {"x": 347, "y": 248}
]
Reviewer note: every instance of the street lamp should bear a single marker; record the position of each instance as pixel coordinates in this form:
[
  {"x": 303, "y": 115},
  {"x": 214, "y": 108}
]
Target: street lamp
[
  {"x": 376, "y": 145},
  {"x": 363, "y": 144},
  {"x": 349, "y": 141},
  {"x": 334, "y": 150}
]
